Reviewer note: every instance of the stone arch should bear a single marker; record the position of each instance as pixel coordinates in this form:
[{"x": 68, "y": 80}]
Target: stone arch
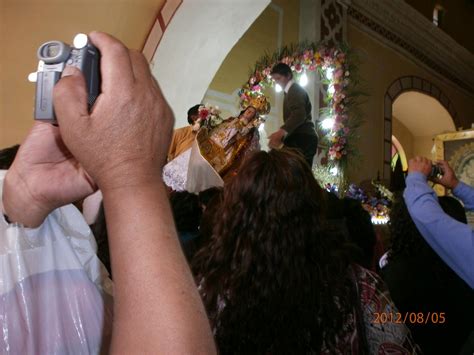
[
  {"x": 398, "y": 87},
  {"x": 204, "y": 31}
]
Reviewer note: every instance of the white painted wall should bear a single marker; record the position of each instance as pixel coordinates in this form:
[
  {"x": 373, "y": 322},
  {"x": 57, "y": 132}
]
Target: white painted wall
[{"x": 197, "y": 40}]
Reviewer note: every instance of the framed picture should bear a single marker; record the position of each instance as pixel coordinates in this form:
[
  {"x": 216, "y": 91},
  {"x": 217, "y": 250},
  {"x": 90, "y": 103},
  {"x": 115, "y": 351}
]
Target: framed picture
[{"x": 458, "y": 149}]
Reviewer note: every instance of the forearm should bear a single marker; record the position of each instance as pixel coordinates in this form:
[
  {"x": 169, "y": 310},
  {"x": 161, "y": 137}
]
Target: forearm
[
  {"x": 158, "y": 308},
  {"x": 452, "y": 240},
  {"x": 466, "y": 194}
]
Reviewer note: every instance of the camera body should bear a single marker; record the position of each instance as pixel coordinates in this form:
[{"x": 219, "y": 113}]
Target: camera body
[
  {"x": 54, "y": 56},
  {"x": 436, "y": 171}
]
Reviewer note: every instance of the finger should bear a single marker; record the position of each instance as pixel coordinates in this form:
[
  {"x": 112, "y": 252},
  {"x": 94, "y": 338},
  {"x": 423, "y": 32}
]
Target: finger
[
  {"x": 115, "y": 64},
  {"x": 70, "y": 98}
]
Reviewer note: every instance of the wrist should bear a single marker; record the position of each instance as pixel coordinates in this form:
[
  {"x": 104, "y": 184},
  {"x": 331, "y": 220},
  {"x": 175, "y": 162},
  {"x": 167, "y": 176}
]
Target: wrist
[
  {"x": 19, "y": 205},
  {"x": 453, "y": 184},
  {"x": 132, "y": 186}
]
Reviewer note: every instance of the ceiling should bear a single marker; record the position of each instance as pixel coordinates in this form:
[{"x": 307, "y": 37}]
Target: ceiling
[{"x": 422, "y": 114}]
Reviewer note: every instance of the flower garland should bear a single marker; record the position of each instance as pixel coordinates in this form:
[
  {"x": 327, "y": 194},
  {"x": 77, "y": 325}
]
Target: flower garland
[{"x": 333, "y": 67}]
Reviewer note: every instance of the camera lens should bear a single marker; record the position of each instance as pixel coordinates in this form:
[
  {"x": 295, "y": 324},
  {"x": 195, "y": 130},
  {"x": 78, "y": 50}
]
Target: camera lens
[{"x": 52, "y": 50}]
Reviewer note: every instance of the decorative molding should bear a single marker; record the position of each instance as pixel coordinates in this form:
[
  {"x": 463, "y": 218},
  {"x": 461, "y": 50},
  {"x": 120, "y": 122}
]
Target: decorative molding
[
  {"x": 332, "y": 22},
  {"x": 405, "y": 29},
  {"x": 164, "y": 17}
]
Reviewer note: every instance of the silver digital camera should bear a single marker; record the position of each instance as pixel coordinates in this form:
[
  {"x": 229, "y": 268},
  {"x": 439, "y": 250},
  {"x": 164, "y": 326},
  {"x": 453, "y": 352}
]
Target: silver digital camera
[{"x": 53, "y": 57}]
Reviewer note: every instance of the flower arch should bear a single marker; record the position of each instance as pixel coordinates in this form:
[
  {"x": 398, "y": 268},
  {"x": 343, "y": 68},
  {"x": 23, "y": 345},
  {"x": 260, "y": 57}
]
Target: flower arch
[{"x": 337, "y": 74}]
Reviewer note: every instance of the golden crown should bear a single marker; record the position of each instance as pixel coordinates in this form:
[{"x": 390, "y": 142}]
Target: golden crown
[{"x": 261, "y": 104}]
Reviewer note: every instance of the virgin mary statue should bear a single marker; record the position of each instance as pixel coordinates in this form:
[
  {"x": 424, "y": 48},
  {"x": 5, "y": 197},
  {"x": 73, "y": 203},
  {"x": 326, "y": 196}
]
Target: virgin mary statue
[{"x": 217, "y": 152}]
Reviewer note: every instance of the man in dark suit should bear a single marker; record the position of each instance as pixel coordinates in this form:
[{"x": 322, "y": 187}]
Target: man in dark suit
[{"x": 298, "y": 128}]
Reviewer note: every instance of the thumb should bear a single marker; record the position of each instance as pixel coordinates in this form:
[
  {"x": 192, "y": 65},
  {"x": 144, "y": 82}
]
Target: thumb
[{"x": 70, "y": 98}]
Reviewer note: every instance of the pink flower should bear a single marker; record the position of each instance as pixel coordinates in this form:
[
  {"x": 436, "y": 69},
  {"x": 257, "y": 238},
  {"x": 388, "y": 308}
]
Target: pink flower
[
  {"x": 338, "y": 73},
  {"x": 252, "y": 80}
]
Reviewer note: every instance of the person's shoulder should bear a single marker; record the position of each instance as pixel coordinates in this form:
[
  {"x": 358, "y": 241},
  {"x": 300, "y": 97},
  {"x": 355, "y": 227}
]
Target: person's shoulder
[
  {"x": 297, "y": 89},
  {"x": 183, "y": 130}
]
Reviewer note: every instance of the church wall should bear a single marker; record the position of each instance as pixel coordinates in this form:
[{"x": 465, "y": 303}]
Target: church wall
[
  {"x": 404, "y": 136},
  {"x": 27, "y": 24},
  {"x": 423, "y": 145},
  {"x": 379, "y": 66},
  {"x": 458, "y": 18},
  {"x": 278, "y": 25}
]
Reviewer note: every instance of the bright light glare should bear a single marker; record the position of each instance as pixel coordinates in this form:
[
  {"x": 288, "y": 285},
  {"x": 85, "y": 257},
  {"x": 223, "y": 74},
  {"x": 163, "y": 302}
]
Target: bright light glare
[
  {"x": 334, "y": 171},
  {"x": 327, "y": 123},
  {"x": 80, "y": 41},
  {"x": 329, "y": 72},
  {"x": 303, "y": 79},
  {"x": 278, "y": 88},
  {"x": 32, "y": 77},
  {"x": 380, "y": 220}
]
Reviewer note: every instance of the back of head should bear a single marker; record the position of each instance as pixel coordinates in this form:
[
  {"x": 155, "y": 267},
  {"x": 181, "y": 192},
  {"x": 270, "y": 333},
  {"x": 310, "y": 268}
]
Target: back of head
[
  {"x": 282, "y": 69},
  {"x": 270, "y": 260},
  {"x": 405, "y": 237},
  {"x": 452, "y": 207},
  {"x": 7, "y": 156},
  {"x": 186, "y": 211},
  {"x": 193, "y": 111},
  {"x": 360, "y": 229},
  {"x": 207, "y": 195}
]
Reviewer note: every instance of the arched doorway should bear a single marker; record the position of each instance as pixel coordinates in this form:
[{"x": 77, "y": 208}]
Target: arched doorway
[
  {"x": 212, "y": 28},
  {"x": 423, "y": 110}
]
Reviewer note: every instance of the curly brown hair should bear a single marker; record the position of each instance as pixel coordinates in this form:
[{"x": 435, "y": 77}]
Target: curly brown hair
[{"x": 272, "y": 277}]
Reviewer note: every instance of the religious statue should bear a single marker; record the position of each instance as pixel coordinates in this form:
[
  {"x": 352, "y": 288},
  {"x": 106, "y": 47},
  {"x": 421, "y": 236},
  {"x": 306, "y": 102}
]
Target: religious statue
[{"x": 218, "y": 149}]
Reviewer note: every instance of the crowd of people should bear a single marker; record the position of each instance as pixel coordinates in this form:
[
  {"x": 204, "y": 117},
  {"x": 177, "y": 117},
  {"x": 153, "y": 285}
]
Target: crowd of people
[{"x": 268, "y": 262}]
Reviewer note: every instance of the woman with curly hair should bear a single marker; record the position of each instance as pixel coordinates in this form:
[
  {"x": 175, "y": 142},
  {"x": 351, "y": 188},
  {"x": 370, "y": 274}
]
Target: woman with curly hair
[
  {"x": 275, "y": 280},
  {"x": 419, "y": 281}
]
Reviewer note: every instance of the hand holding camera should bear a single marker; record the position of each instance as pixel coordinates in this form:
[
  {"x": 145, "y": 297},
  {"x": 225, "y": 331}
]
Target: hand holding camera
[
  {"x": 440, "y": 173},
  {"x": 448, "y": 179},
  {"x": 53, "y": 57},
  {"x": 123, "y": 141}
]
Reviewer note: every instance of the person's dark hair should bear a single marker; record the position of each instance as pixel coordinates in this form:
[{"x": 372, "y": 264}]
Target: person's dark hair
[
  {"x": 7, "y": 156},
  {"x": 405, "y": 238},
  {"x": 453, "y": 208},
  {"x": 207, "y": 195},
  {"x": 99, "y": 229},
  {"x": 193, "y": 111},
  {"x": 186, "y": 211},
  {"x": 361, "y": 232},
  {"x": 397, "y": 181},
  {"x": 282, "y": 69},
  {"x": 272, "y": 278}
]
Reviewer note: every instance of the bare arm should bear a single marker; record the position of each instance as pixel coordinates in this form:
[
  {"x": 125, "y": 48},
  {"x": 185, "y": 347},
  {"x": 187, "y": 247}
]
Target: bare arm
[
  {"x": 157, "y": 305},
  {"x": 158, "y": 308}
]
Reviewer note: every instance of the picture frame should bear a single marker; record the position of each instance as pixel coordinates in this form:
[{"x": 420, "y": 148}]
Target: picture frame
[{"x": 457, "y": 148}]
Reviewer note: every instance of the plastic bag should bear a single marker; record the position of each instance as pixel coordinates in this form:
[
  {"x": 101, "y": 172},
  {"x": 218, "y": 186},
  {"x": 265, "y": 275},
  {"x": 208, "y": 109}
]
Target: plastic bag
[{"x": 55, "y": 295}]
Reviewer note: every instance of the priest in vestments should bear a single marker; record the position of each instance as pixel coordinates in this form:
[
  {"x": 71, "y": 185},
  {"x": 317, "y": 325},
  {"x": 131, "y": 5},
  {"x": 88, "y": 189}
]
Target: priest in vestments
[{"x": 183, "y": 138}]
